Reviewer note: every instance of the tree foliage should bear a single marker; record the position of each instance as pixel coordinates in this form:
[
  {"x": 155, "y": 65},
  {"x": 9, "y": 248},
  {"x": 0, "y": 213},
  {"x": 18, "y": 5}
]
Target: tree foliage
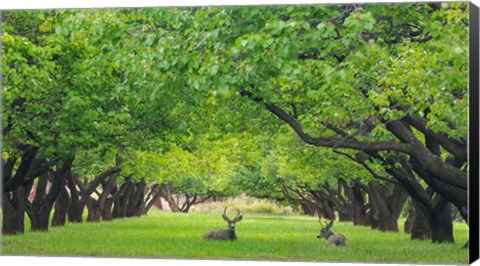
[{"x": 203, "y": 98}]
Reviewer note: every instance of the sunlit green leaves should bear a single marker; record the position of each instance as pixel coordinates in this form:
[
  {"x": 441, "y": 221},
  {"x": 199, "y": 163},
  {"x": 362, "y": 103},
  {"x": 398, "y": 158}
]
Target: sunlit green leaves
[{"x": 115, "y": 78}]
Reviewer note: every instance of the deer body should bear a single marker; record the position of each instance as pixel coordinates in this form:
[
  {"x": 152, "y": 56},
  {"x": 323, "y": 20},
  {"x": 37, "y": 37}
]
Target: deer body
[
  {"x": 220, "y": 235},
  {"x": 228, "y": 234},
  {"x": 332, "y": 239}
]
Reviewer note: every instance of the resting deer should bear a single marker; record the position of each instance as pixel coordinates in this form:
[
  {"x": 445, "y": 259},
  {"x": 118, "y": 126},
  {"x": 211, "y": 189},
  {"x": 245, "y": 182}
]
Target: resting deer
[
  {"x": 331, "y": 238},
  {"x": 228, "y": 234}
]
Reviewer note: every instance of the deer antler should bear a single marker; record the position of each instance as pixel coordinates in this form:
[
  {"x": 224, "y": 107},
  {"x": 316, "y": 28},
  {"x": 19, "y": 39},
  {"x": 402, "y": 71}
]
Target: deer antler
[
  {"x": 237, "y": 218},
  {"x": 225, "y": 212},
  {"x": 238, "y": 213},
  {"x": 321, "y": 223}
]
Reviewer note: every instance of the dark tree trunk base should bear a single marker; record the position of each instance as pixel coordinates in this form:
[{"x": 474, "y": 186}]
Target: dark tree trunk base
[
  {"x": 62, "y": 205},
  {"x": 441, "y": 221},
  {"x": 107, "y": 210},
  {"x": 13, "y": 208}
]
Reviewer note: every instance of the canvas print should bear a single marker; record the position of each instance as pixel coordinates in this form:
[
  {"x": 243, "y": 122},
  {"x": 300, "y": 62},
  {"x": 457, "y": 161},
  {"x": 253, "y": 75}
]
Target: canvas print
[{"x": 300, "y": 132}]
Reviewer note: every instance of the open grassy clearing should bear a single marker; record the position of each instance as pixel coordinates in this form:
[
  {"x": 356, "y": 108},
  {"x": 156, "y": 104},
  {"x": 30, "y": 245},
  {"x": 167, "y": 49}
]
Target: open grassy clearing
[{"x": 260, "y": 237}]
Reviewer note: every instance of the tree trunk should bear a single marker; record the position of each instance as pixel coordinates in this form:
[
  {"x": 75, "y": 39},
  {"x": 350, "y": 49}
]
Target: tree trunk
[
  {"x": 80, "y": 198},
  {"x": 39, "y": 210},
  {"x": 93, "y": 211},
  {"x": 328, "y": 210},
  {"x": 308, "y": 209},
  {"x": 388, "y": 201},
  {"x": 75, "y": 212},
  {"x": 62, "y": 205},
  {"x": 441, "y": 222},
  {"x": 118, "y": 193},
  {"x": 166, "y": 191},
  {"x": 346, "y": 201},
  {"x": 136, "y": 201},
  {"x": 13, "y": 207},
  {"x": 107, "y": 210},
  {"x": 324, "y": 205},
  {"x": 124, "y": 200},
  {"x": 17, "y": 180},
  {"x": 152, "y": 197},
  {"x": 419, "y": 221},
  {"x": 39, "y": 218},
  {"x": 360, "y": 216}
]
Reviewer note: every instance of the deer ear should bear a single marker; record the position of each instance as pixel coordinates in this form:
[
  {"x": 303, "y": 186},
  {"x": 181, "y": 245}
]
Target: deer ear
[{"x": 239, "y": 218}]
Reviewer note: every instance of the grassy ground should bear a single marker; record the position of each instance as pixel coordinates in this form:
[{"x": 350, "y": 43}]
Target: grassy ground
[{"x": 260, "y": 237}]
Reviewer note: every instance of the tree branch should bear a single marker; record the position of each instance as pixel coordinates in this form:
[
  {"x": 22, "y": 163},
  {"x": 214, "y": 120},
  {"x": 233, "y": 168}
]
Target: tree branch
[{"x": 327, "y": 142}]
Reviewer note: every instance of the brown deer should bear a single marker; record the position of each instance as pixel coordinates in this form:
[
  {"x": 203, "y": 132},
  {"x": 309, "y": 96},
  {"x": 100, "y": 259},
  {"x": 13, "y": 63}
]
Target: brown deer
[
  {"x": 332, "y": 239},
  {"x": 228, "y": 234}
]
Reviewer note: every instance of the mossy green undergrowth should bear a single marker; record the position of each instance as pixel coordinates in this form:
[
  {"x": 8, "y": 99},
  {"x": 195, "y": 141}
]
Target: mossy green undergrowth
[{"x": 260, "y": 237}]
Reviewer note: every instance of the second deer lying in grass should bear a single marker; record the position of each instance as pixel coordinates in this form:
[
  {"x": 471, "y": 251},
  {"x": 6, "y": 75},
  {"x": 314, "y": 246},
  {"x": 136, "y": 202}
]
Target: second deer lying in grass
[
  {"x": 228, "y": 234},
  {"x": 332, "y": 239}
]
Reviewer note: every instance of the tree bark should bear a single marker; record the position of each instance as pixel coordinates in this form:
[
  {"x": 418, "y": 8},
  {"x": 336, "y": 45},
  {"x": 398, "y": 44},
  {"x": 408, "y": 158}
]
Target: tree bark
[
  {"x": 17, "y": 186},
  {"x": 308, "y": 197},
  {"x": 136, "y": 200},
  {"x": 107, "y": 214},
  {"x": 166, "y": 191},
  {"x": 120, "y": 199},
  {"x": 346, "y": 201},
  {"x": 418, "y": 223},
  {"x": 152, "y": 197},
  {"x": 93, "y": 213},
  {"x": 307, "y": 208},
  {"x": 441, "y": 222},
  {"x": 97, "y": 208},
  {"x": 117, "y": 199},
  {"x": 75, "y": 212},
  {"x": 80, "y": 198},
  {"x": 388, "y": 201},
  {"x": 39, "y": 210},
  {"x": 62, "y": 205},
  {"x": 13, "y": 207},
  {"x": 360, "y": 207}
]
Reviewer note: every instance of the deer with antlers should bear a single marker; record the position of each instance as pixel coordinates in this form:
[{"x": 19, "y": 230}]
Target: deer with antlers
[
  {"x": 332, "y": 239},
  {"x": 228, "y": 234}
]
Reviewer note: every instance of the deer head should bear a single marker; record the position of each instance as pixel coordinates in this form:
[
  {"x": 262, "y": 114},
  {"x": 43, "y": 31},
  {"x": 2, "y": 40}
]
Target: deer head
[
  {"x": 325, "y": 232},
  {"x": 231, "y": 222}
]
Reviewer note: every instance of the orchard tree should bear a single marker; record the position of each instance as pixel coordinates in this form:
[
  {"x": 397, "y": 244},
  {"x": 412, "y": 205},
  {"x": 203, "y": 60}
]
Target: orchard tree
[
  {"x": 361, "y": 97},
  {"x": 64, "y": 93}
]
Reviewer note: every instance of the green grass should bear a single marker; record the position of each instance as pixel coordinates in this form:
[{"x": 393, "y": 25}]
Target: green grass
[{"x": 260, "y": 237}]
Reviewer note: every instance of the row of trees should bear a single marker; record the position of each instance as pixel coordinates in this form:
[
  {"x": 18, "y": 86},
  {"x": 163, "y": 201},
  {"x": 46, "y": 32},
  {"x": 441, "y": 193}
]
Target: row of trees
[{"x": 111, "y": 109}]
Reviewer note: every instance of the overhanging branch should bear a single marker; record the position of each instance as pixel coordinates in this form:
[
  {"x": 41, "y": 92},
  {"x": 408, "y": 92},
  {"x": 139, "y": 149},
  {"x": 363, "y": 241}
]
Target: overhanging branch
[{"x": 349, "y": 143}]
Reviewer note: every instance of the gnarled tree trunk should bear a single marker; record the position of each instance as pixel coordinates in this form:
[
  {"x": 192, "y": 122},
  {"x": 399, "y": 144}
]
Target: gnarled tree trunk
[
  {"x": 39, "y": 210},
  {"x": 388, "y": 201},
  {"x": 166, "y": 191},
  {"x": 441, "y": 221},
  {"x": 18, "y": 178},
  {"x": 360, "y": 207},
  {"x": 418, "y": 223},
  {"x": 13, "y": 207},
  {"x": 152, "y": 196},
  {"x": 99, "y": 208},
  {"x": 62, "y": 205}
]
